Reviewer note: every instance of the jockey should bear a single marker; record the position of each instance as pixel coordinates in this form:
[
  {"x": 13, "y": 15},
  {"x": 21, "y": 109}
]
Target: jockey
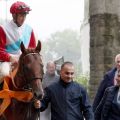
[{"x": 11, "y": 35}]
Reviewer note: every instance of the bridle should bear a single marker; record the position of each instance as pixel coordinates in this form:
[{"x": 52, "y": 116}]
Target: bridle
[{"x": 27, "y": 87}]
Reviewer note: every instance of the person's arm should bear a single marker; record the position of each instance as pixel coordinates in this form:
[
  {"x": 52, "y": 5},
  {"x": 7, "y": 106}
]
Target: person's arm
[
  {"x": 4, "y": 56},
  {"x": 86, "y": 106},
  {"x": 41, "y": 105},
  {"x": 45, "y": 101},
  {"x": 100, "y": 91},
  {"x": 99, "y": 108}
]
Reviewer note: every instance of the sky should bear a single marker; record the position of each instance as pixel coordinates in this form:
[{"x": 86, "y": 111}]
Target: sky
[{"x": 49, "y": 16}]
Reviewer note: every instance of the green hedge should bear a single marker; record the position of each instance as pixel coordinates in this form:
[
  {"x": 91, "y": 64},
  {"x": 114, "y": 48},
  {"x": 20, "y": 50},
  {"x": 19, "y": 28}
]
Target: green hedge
[{"x": 83, "y": 79}]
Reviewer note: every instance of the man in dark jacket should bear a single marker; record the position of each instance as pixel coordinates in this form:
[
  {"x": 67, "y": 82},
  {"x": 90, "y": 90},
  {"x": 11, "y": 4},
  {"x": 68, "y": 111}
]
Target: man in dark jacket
[
  {"x": 108, "y": 80},
  {"x": 69, "y": 100},
  {"x": 109, "y": 106}
]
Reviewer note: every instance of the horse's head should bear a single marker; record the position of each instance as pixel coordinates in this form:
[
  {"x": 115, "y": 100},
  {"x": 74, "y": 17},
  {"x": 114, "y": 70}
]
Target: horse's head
[{"x": 30, "y": 71}]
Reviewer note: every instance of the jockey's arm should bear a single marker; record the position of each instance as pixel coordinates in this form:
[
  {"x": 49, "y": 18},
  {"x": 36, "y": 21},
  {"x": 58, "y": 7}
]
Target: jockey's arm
[{"x": 4, "y": 56}]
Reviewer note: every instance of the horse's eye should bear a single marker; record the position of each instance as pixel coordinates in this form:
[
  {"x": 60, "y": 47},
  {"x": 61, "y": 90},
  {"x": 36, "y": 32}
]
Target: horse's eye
[
  {"x": 42, "y": 65},
  {"x": 26, "y": 68}
]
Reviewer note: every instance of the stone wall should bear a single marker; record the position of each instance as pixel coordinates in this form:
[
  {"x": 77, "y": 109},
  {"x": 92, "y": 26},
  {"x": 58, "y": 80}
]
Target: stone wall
[
  {"x": 104, "y": 6},
  {"x": 104, "y": 45}
]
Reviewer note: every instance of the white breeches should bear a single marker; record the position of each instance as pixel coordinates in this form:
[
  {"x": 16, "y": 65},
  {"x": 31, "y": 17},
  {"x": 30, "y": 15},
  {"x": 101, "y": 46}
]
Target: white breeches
[{"x": 4, "y": 69}]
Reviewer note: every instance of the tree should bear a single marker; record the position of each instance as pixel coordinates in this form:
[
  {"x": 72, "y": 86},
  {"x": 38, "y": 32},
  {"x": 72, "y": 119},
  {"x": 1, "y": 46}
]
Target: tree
[{"x": 65, "y": 43}]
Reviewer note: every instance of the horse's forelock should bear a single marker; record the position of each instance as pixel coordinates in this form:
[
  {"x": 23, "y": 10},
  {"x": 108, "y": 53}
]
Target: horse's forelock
[{"x": 30, "y": 50}]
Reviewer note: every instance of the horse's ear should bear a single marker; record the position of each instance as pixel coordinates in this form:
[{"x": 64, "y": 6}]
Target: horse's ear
[
  {"x": 22, "y": 47},
  {"x": 38, "y": 48}
]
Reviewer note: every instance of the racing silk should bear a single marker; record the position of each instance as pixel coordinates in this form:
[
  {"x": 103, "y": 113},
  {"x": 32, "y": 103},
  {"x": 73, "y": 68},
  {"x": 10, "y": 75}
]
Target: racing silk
[{"x": 11, "y": 37}]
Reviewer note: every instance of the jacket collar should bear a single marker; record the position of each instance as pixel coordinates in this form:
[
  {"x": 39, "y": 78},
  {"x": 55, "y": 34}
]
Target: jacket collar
[{"x": 64, "y": 84}]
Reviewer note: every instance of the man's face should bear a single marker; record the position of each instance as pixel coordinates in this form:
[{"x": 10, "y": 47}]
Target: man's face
[
  {"x": 67, "y": 73},
  {"x": 20, "y": 19},
  {"x": 118, "y": 79},
  {"x": 118, "y": 63},
  {"x": 51, "y": 68}
]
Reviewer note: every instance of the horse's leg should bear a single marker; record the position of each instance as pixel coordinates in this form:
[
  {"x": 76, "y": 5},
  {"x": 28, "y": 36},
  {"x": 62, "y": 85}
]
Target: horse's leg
[{"x": 2, "y": 117}]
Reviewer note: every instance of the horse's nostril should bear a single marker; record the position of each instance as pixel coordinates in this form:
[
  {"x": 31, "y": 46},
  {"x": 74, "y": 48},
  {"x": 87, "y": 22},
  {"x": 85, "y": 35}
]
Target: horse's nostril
[
  {"x": 40, "y": 96},
  {"x": 35, "y": 95}
]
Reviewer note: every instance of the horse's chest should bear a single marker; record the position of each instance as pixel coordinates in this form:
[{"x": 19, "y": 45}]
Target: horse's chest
[{"x": 23, "y": 111}]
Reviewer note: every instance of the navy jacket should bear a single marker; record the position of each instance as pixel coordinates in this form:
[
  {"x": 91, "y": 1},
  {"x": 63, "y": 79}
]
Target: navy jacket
[
  {"x": 107, "y": 81},
  {"x": 108, "y": 109},
  {"x": 68, "y": 102}
]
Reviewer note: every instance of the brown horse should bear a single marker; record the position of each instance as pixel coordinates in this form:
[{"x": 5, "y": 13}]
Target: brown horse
[{"x": 27, "y": 79}]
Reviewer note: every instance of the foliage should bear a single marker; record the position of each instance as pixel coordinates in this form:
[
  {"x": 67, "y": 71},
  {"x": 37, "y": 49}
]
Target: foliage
[
  {"x": 83, "y": 79},
  {"x": 65, "y": 43}
]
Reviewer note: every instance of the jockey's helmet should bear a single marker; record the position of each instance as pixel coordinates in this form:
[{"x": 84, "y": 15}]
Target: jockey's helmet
[{"x": 19, "y": 7}]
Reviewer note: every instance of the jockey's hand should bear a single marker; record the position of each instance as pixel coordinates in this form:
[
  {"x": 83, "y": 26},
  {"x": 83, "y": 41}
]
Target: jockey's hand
[
  {"x": 14, "y": 62},
  {"x": 13, "y": 59},
  {"x": 37, "y": 104}
]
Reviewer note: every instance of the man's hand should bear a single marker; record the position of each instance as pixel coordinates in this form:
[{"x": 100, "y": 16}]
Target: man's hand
[{"x": 37, "y": 104}]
